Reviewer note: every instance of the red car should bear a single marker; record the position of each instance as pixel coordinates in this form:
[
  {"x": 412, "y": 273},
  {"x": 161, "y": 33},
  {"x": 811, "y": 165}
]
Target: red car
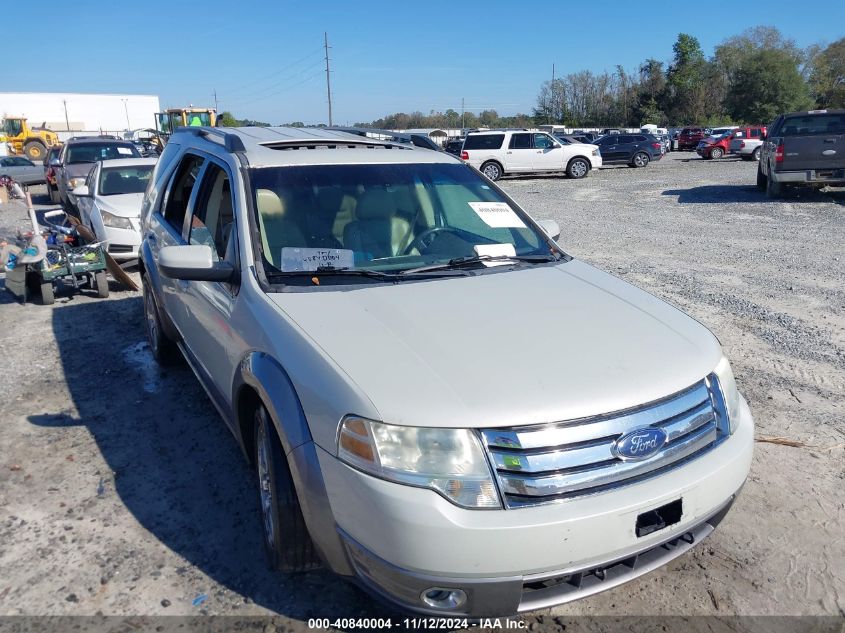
[
  {"x": 716, "y": 147},
  {"x": 690, "y": 136}
]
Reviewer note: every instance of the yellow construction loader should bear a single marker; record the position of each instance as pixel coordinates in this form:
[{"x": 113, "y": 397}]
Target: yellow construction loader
[
  {"x": 169, "y": 120},
  {"x": 22, "y": 139}
]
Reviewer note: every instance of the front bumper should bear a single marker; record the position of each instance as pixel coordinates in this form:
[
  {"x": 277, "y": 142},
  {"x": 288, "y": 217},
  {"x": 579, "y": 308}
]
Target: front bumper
[
  {"x": 402, "y": 541},
  {"x": 123, "y": 244},
  {"x": 595, "y": 161}
]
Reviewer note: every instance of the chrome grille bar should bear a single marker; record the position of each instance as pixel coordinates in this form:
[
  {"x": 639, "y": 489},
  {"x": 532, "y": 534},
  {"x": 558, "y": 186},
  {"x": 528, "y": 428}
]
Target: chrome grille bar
[{"x": 552, "y": 462}]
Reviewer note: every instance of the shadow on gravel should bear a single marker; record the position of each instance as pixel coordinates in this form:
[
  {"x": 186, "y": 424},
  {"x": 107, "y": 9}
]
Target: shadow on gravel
[
  {"x": 176, "y": 466},
  {"x": 722, "y": 194}
]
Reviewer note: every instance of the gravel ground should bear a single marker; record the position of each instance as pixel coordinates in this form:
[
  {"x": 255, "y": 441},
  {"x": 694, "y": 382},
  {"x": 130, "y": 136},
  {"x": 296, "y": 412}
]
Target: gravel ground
[{"x": 122, "y": 493}]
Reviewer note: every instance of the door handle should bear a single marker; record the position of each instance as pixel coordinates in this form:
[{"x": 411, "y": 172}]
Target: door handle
[
  {"x": 509, "y": 152},
  {"x": 830, "y": 140}
]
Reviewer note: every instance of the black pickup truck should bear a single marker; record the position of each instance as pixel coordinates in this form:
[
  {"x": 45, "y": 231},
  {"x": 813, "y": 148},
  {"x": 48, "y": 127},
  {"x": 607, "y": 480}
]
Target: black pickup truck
[{"x": 803, "y": 149}]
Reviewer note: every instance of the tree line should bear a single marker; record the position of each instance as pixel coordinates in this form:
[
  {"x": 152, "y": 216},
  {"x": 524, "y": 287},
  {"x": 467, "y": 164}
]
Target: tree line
[{"x": 751, "y": 78}]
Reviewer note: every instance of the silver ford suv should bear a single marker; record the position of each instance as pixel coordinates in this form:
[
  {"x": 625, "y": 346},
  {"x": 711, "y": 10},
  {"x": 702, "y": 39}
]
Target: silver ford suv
[{"x": 438, "y": 401}]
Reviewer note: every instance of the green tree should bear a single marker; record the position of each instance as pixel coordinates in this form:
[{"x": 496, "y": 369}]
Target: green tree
[
  {"x": 687, "y": 98},
  {"x": 827, "y": 76},
  {"x": 226, "y": 119},
  {"x": 766, "y": 83}
]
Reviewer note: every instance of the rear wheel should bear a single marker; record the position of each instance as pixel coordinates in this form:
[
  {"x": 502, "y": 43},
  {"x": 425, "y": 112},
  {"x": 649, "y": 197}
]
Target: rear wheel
[
  {"x": 756, "y": 154},
  {"x": 640, "y": 159},
  {"x": 761, "y": 179},
  {"x": 773, "y": 189},
  {"x": 492, "y": 170},
  {"x": 286, "y": 539},
  {"x": 48, "y": 297},
  {"x": 35, "y": 151},
  {"x": 716, "y": 153},
  {"x": 102, "y": 284},
  {"x": 578, "y": 168}
]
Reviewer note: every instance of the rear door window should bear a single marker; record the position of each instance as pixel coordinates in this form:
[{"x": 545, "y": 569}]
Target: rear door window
[
  {"x": 814, "y": 124},
  {"x": 484, "y": 141},
  {"x": 520, "y": 141}
]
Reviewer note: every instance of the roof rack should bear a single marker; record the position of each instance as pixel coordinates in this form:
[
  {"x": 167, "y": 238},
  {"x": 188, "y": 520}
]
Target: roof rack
[{"x": 231, "y": 142}]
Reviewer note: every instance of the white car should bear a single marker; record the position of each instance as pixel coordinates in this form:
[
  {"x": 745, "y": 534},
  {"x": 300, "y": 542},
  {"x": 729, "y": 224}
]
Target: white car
[
  {"x": 110, "y": 203},
  {"x": 498, "y": 152}
]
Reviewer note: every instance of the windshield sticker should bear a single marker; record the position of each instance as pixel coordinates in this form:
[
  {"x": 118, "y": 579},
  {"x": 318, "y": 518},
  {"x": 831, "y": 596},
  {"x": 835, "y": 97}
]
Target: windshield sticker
[
  {"x": 125, "y": 151},
  {"x": 495, "y": 250},
  {"x": 310, "y": 259},
  {"x": 497, "y": 215}
]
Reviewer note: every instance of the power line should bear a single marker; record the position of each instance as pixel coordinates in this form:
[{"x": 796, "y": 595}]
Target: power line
[
  {"x": 273, "y": 94},
  {"x": 240, "y": 87},
  {"x": 251, "y": 93}
]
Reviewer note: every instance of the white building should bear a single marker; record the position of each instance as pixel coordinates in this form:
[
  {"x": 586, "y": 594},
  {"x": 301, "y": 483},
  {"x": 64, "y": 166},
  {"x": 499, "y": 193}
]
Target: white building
[{"x": 67, "y": 113}]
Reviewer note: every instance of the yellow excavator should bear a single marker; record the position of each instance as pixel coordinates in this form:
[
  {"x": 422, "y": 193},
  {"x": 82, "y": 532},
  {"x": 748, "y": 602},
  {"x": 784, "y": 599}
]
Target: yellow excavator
[
  {"x": 169, "y": 120},
  {"x": 33, "y": 142}
]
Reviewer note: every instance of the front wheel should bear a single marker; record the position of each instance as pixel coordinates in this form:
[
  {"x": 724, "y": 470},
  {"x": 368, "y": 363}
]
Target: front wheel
[
  {"x": 756, "y": 154},
  {"x": 641, "y": 159},
  {"x": 286, "y": 539},
  {"x": 492, "y": 170},
  {"x": 716, "y": 153},
  {"x": 163, "y": 349},
  {"x": 35, "y": 151},
  {"x": 578, "y": 168}
]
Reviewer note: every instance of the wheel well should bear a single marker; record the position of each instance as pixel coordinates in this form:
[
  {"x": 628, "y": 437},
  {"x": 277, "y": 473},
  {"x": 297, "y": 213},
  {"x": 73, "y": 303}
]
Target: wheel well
[
  {"x": 492, "y": 160},
  {"x": 584, "y": 158},
  {"x": 248, "y": 402}
]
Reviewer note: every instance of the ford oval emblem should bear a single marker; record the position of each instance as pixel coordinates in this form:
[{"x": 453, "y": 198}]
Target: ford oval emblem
[{"x": 639, "y": 444}]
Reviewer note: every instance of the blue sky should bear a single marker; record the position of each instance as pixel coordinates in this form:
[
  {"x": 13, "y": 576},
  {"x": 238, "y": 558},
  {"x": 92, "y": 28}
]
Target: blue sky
[{"x": 265, "y": 59}]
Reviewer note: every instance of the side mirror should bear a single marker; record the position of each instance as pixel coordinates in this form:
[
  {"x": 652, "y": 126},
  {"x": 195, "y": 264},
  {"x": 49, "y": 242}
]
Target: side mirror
[
  {"x": 556, "y": 146},
  {"x": 551, "y": 228},
  {"x": 194, "y": 262},
  {"x": 55, "y": 162},
  {"x": 81, "y": 191}
]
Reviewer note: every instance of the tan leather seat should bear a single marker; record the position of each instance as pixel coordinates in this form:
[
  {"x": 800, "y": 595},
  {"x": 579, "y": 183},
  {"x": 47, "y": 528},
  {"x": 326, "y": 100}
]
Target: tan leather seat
[
  {"x": 378, "y": 231},
  {"x": 278, "y": 227}
]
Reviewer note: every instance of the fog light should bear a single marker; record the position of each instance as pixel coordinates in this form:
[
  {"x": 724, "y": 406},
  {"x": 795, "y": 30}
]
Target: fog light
[{"x": 441, "y": 598}]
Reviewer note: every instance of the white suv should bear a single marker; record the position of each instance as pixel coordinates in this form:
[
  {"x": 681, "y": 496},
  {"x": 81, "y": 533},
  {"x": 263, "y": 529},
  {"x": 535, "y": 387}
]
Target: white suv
[
  {"x": 498, "y": 152},
  {"x": 438, "y": 401}
]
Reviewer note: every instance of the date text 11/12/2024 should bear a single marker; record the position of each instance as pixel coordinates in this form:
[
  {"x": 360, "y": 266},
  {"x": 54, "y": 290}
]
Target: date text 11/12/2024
[{"x": 444, "y": 624}]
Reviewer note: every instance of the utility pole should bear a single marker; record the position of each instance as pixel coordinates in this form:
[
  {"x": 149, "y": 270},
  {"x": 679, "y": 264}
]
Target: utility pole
[
  {"x": 215, "y": 99},
  {"x": 328, "y": 79},
  {"x": 67, "y": 123},
  {"x": 462, "y": 114},
  {"x": 552, "y": 92},
  {"x": 126, "y": 110}
]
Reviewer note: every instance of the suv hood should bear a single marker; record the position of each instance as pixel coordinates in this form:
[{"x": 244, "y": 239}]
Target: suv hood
[{"x": 530, "y": 345}]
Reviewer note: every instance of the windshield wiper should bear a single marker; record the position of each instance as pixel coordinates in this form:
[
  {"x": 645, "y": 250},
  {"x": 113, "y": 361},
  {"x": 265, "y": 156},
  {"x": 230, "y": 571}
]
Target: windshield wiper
[
  {"x": 330, "y": 270},
  {"x": 471, "y": 260}
]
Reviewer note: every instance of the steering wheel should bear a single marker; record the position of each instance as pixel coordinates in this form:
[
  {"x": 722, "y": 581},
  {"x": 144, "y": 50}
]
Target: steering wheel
[{"x": 422, "y": 240}]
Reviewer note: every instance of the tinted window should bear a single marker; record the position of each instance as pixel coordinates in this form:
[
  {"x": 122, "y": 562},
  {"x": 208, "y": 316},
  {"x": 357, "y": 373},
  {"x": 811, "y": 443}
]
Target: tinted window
[
  {"x": 811, "y": 124},
  {"x": 754, "y": 134},
  {"x": 625, "y": 138},
  {"x": 640, "y": 138},
  {"x": 179, "y": 193},
  {"x": 484, "y": 141},
  {"x": 520, "y": 141},
  {"x": 214, "y": 214},
  {"x": 92, "y": 152}
]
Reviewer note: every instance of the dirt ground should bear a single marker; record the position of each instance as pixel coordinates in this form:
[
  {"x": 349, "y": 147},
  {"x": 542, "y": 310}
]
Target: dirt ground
[{"x": 122, "y": 493}]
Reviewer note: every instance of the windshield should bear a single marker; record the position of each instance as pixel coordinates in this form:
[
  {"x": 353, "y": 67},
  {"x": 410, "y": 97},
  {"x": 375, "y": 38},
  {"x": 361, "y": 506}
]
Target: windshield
[
  {"x": 384, "y": 218},
  {"x": 92, "y": 152},
  {"x": 115, "y": 181}
]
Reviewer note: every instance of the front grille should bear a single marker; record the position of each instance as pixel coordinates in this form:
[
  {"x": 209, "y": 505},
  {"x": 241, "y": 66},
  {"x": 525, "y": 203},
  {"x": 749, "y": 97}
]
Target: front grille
[{"x": 558, "y": 461}]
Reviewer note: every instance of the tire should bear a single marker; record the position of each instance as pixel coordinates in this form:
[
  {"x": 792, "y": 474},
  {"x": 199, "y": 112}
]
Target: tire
[
  {"x": 640, "y": 159},
  {"x": 286, "y": 540},
  {"x": 755, "y": 155},
  {"x": 35, "y": 151},
  {"x": 54, "y": 193},
  {"x": 164, "y": 350},
  {"x": 773, "y": 189},
  {"x": 48, "y": 297},
  {"x": 492, "y": 170},
  {"x": 578, "y": 168},
  {"x": 761, "y": 179},
  {"x": 716, "y": 153},
  {"x": 102, "y": 284}
]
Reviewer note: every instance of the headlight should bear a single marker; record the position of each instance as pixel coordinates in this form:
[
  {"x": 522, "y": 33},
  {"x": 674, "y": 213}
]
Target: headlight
[
  {"x": 115, "y": 221},
  {"x": 596, "y": 152},
  {"x": 449, "y": 461},
  {"x": 73, "y": 183},
  {"x": 730, "y": 394}
]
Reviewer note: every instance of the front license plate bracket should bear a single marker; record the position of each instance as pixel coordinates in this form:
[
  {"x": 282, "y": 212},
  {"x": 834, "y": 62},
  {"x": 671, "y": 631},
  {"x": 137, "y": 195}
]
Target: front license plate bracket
[{"x": 659, "y": 518}]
